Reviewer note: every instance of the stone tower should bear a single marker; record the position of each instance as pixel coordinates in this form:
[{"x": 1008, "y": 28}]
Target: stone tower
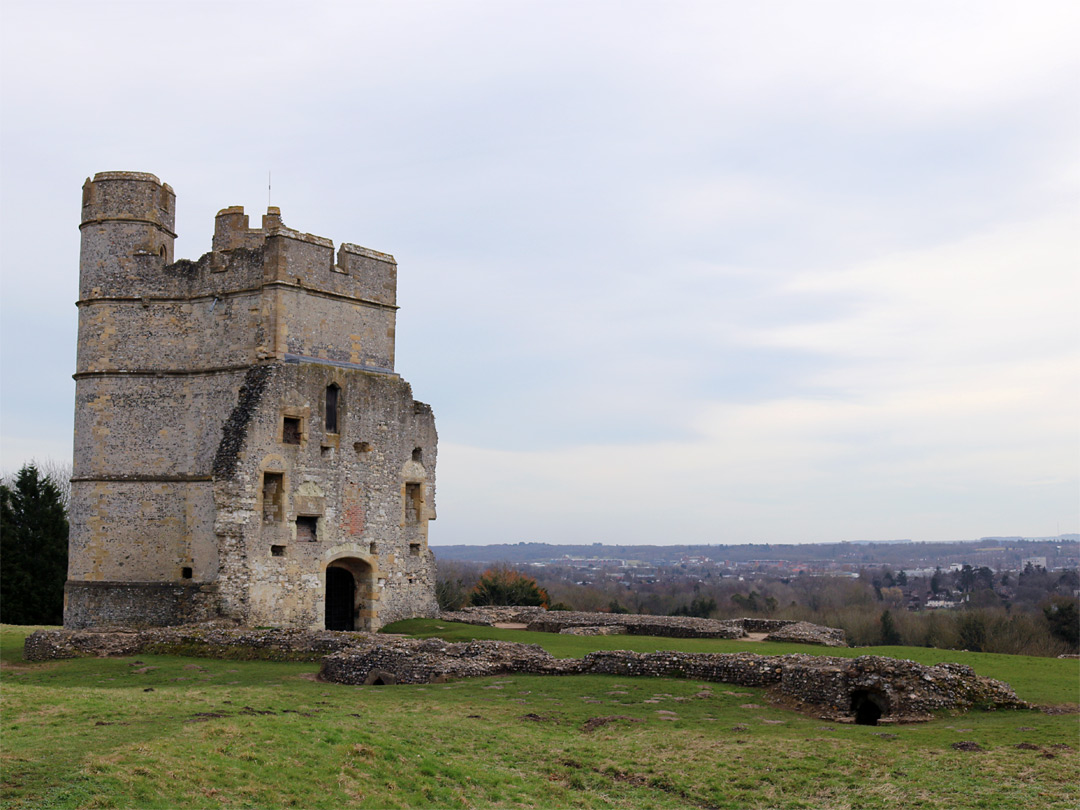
[{"x": 243, "y": 446}]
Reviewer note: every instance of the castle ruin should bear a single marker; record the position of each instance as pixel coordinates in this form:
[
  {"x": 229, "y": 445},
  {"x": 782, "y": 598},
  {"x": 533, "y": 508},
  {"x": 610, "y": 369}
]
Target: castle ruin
[{"x": 243, "y": 446}]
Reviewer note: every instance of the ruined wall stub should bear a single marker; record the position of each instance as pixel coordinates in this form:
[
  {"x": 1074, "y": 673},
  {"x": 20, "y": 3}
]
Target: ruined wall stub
[{"x": 241, "y": 437}]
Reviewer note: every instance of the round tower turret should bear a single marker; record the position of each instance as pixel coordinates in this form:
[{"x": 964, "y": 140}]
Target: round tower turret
[{"x": 127, "y": 234}]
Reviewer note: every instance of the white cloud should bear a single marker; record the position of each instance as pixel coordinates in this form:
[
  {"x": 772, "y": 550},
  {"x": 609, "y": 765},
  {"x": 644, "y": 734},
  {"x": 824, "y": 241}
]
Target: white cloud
[{"x": 710, "y": 269}]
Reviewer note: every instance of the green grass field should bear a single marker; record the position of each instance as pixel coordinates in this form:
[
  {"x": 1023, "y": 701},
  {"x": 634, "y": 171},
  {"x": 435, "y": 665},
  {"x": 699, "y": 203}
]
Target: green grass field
[{"x": 167, "y": 732}]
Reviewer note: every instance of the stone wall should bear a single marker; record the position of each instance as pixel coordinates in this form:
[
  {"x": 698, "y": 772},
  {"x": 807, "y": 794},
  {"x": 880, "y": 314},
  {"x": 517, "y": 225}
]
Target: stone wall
[
  {"x": 201, "y": 391},
  {"x": 864, "y": 689},
  {"x": 205, "y": 640},
  {"x": 579, "y": 623}
]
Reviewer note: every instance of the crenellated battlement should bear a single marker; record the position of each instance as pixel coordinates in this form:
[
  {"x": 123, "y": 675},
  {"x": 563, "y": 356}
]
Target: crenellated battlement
[
  {"x": 129, "y": 197},
  {"x": 292, "y": 256},
  {"x": 243, "y": 445},
  {"x": 297, "y": 295}
]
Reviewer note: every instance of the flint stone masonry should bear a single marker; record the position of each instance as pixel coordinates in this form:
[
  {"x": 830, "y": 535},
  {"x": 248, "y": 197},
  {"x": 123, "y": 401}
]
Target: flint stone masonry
[
  {"x": 836, "y": 688},
  {"x": 610, "y": 630},
  {"x": 864, "y": 689},
  {"x": 806, "y": 633},
  {"x": 580, "y": 623},
  {"x": 202, "y": 640},
  {"x": 244, "y": 448}
]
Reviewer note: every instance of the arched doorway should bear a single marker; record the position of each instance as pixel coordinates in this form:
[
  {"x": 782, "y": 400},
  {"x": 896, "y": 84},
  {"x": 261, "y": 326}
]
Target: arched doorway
[
  {"x": 340, "y": 599},
  {"x": 350, "y": 595},
  {"x": 868, "y": 705}
]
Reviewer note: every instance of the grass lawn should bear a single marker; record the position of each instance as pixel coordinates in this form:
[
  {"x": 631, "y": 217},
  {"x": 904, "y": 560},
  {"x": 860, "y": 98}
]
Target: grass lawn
[{"x": 166, "y": 732}]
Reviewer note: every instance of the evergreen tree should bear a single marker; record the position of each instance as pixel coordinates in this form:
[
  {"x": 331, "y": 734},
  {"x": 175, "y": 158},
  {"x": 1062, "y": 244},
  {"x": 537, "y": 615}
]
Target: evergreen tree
[
  {"x": 1064, "y": 619},
  {"x": 33, "y": 549},
  {"x": 699, "y": 606},
  {"x": 889, "y": 634}
]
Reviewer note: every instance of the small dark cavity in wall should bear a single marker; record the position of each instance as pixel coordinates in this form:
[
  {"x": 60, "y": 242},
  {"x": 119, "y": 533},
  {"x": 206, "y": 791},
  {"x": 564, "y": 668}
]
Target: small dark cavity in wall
[{"x": 868, "y": 706}]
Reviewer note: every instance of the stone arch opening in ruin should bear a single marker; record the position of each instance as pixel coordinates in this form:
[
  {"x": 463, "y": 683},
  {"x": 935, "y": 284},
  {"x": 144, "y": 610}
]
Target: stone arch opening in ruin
[
  {"x": 350, "y": 595},
  {"x": 868, "y": 705}
]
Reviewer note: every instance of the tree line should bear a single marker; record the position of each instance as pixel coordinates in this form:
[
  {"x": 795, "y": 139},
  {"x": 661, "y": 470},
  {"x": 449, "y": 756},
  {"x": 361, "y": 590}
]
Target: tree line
[{"x": 1034, "y": 612}]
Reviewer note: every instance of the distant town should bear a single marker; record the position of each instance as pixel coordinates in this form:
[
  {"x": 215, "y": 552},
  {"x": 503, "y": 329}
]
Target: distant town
[
  {"x": 999, "y": 554},
  {"x": 989, "y": 572}
]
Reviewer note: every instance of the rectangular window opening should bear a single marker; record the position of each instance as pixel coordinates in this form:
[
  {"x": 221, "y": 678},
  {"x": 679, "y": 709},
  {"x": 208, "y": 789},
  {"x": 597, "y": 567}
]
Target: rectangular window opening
[
  {"x": 277, "y": 551},
  {"x": 186, "y": 573},
  {"x": 414, "y": 549},
  {"x": 273, "y": 485},
  {"x": 414, "y": 504},
  {"x": 332, "y": 392},
  {"x": 290, "y": 430},
  {"x": 372, "y": 549},
  {"x": 307, "y": 528}
]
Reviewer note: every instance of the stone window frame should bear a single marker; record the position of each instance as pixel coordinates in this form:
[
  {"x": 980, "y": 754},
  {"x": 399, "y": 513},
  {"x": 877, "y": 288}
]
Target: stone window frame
[
  {"x": 339, "y": 409},
  {"x": 317, "y": 529},
  {"x": 283, "y": 505},
  {"x": 413, "y": 490},
  {"x": 303, "y": 415}
]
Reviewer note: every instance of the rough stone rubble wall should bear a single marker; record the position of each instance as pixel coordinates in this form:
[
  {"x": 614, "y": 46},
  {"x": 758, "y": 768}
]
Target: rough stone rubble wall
[
  {"x": 579, "y": 623},
  {"x": 906, "y": 690}
]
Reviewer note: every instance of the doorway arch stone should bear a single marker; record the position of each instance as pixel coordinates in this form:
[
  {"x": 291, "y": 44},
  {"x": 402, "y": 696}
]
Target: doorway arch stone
[{"x": 350, "y": 595}]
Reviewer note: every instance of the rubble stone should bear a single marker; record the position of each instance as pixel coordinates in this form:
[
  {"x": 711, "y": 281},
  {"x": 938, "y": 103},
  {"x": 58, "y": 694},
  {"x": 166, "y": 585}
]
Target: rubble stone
[
  {"x": 582, "y": 623},
  {"x": 866, "y": 689}
]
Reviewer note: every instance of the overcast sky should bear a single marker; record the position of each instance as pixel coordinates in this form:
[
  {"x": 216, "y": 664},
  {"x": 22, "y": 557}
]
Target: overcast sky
[{"x": 670, "y": 272}]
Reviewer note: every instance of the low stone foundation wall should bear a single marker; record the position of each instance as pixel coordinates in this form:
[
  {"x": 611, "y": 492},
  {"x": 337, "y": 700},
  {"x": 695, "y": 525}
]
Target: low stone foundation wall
[
  {"x": 864, "y": 689},
  {"x": 555, "y": 621},
  {"x": 806, "y": 633},
  {"x": 203, "y": 640},
  {"x": 563, "y": 621},
  {"x": 610, "y": 630}
]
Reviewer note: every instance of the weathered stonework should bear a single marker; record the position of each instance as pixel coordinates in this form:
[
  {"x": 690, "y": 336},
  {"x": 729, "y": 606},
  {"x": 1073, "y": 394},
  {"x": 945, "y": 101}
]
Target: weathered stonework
[
  {"x": 243, "y": 446},
  {"x": 572, "y": 622},
  {"x": 867, "y": 689}
]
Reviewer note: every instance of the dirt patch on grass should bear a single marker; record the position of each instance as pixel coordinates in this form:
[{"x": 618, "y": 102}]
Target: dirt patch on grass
[
  {"x": 27, "y": 666},
  {"x": 1061, "y": 708},
  {"x": 967, "y": 745},
  {"x": 594, "y": 723},
  {"x": 658, "y": 783},
  {"x": 511, "y": 625},
  {"x": 754, "y": 637}
]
